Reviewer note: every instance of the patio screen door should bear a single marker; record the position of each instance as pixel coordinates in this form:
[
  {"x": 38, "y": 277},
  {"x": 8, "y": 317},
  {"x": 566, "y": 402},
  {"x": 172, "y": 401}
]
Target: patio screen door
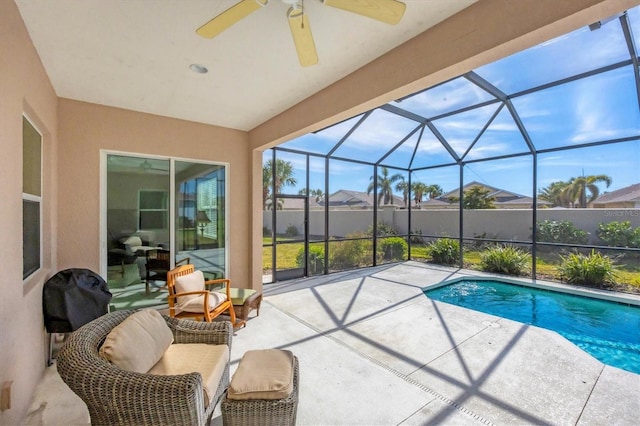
[{"x": 291, "y": 238}]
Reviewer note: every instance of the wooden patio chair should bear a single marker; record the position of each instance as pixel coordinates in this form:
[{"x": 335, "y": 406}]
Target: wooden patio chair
[{"x": 189, "y": 297}]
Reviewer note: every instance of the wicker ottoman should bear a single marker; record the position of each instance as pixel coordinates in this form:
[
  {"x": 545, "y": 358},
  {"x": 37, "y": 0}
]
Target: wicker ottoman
[
  {"x": 261, "y": 412},
  {"x": 244, "y": 300}
]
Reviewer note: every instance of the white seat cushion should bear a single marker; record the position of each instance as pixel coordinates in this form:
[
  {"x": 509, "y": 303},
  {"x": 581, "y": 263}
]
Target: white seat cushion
[
  {"x": 208, "y": 360},
  {"x": 138, "y": 342},
  {"x": 196, "y": 304}
]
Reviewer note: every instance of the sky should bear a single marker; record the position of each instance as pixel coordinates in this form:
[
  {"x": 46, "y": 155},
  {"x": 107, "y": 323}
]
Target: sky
[{"x": 595, "y": 108}]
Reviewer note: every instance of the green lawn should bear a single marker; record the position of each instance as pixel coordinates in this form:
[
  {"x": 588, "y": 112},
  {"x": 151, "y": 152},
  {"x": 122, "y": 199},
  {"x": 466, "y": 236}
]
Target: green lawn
[
  {"x": 286, "y": 254},
  {"x": 627, "y": 277},
  {"x": 187, "y": 239}
]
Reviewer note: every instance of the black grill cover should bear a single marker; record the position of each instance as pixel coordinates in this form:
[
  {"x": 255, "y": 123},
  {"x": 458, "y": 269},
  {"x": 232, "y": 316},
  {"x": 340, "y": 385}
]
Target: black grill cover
[{"x": 72, "y": 298}]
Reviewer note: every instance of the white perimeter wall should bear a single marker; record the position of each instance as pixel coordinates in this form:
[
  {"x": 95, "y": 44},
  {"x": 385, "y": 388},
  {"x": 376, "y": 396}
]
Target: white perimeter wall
[{"x": 501, "y": 224}]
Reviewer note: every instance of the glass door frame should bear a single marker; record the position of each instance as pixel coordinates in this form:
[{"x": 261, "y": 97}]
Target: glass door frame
[{"x": 104, "y": 238}]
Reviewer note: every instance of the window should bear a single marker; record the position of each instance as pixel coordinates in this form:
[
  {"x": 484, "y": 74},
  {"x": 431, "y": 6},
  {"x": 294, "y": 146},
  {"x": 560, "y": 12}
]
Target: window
[
  {"x": 153, "y": 207},
  {"x": 208, "y": 203},
  {"x": 31, "y": 198}
]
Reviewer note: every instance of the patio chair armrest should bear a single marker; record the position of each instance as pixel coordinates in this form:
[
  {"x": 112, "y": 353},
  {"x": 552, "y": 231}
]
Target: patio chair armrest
[
  {"x": 225, "y": 281},
  {"x": 213, "y": 333},
  {"x": 223, "y": 284}
]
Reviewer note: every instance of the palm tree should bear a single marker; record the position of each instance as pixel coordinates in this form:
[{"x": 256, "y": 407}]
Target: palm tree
[
  {"x": 434, "y": 191},
  {"x": 385, "y": 185},
  {"x": 318, "y": 193},
  {"x": 555, "y": 194},
  {"x": 283, "y": 177},
  {"x": 419, "y": 190},
  {"x": 403, "y": 186},
  {"x": 475, "y": 198},
  {"x": 577, "y": 189},
  {"x": 266, "y": 184}
]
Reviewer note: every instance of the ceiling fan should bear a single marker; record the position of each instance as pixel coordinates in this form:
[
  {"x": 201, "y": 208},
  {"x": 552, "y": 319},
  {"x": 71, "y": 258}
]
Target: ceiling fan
[
  {"x": 388, "y": 11},
  {"x": 153, "y": 166}
]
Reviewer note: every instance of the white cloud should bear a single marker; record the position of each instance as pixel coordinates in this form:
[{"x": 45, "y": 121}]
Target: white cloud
[{"x": 447, "y": 97}]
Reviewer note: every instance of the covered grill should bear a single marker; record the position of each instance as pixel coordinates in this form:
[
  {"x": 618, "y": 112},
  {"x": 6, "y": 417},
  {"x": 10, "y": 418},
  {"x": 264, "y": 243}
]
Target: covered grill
[{"x": 71, "y": 299}]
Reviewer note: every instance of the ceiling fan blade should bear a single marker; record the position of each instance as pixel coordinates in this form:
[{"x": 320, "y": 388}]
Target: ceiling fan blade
[
  {"x": 301, "y": 32},
  {"x": 388, "y": 11},
  {"x": 230, "y": 17}
]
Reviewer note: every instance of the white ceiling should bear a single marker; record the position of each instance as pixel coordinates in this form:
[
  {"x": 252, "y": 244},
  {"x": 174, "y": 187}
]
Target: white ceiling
[{"x": 135, "y": 54}]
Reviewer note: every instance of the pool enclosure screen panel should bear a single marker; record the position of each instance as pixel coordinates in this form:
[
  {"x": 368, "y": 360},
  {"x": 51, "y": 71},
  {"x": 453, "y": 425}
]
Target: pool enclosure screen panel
[{"x": 491, "y": 157}]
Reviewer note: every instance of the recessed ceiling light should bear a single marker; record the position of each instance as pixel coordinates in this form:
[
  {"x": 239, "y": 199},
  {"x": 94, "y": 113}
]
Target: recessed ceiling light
[{"x": 197, "y": 68}]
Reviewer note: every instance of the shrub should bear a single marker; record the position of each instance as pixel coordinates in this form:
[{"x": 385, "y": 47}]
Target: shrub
[
  {"x": 505, "y": 260},
  {"x": 291, "y": 231},
  {"x": 350, "y": 254},
  {"x": 416, "y": 237},
  {"x": 316, "y": 260},
  {"x": 564, "y": 231},
  {"x": 382, "y": 229},
  {"x": 619, "y": 234},
  {"x": 393, "y": 248},
  {"x": 445, "y": 251},
  {"x": 266, "y": 232},
  {"x": 592, "y": 269}
]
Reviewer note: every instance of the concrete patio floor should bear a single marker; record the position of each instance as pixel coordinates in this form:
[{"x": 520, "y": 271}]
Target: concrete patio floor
[{"x": 373, "y": 350}]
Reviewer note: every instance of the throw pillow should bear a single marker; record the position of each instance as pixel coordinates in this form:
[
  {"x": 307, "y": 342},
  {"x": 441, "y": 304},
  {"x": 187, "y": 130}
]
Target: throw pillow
[
  {"x": 138, "y": 342},
  {"x": 133, "y": 241},
  {"x": 189, "y": 282}
]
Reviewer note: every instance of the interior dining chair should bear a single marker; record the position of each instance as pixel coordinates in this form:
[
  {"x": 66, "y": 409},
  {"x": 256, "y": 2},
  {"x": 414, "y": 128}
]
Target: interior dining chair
[
  {"x": 189, "y": 297},
  {"x": 158, "y": 263}
]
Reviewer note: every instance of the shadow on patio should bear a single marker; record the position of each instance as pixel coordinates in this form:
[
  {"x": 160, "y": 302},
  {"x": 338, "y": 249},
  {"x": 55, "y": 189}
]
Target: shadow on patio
[
  {"x": 417, "y": 361},
  {"x": 374, "y": 350}
]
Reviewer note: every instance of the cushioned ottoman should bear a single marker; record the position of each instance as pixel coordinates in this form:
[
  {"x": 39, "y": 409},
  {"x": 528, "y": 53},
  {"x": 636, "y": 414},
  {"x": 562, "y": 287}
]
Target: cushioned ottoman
[{"x": 263, "y": 390}]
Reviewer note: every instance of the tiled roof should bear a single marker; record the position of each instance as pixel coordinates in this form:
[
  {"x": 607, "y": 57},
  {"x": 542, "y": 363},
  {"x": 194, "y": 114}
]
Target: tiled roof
[{"x": 628, "y": 193}]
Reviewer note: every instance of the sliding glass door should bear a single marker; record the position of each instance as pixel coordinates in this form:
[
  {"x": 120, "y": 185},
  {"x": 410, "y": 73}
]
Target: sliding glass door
[
  {"x": 200, "y": 215},
  {"x": 153, "y": 203}
]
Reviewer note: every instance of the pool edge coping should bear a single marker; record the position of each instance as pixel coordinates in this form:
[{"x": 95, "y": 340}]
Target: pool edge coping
[{"x": 624, "y": 298}]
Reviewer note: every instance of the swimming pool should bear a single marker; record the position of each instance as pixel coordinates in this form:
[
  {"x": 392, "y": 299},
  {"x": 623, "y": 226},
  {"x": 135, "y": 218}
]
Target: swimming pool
[{"x": 609, "y": 331}]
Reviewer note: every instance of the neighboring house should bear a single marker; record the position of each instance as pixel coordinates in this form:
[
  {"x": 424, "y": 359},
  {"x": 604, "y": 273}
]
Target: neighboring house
[
  {"x": 503, "y": 199},
  {"x": 346, "y": 199},
  {"x": 627, "y": 197},
  {"x": 296, "y": 204},
  {"x": 341, "y": 199}
]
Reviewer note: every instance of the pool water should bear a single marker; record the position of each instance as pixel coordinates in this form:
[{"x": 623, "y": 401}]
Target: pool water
[{"x": 609, "y": 331}]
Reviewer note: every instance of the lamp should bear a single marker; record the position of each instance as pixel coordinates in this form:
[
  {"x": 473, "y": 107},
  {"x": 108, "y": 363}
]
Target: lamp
[{"x": 203, "y": 220}]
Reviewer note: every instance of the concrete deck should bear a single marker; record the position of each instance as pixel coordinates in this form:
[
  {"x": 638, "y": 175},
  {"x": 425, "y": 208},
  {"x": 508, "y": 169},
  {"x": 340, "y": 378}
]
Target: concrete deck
[{"x": 374, "y": 350}]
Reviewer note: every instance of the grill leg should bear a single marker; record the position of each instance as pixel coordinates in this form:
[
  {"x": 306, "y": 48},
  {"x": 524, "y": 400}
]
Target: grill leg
[{"x": 49, "y": 361}]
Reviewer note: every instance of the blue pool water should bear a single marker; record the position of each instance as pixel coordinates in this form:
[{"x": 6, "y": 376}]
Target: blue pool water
[{"x": 607, "y": 330}]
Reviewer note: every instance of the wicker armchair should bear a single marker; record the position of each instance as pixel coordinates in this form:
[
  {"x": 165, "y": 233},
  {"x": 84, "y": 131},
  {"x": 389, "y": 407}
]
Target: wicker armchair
[{"x": 115, "y": 396}]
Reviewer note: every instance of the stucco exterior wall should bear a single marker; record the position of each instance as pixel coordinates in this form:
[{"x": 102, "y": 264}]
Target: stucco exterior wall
[
  {"x": 24, "y": 88},
  {"x": 85, "y": 129}
]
